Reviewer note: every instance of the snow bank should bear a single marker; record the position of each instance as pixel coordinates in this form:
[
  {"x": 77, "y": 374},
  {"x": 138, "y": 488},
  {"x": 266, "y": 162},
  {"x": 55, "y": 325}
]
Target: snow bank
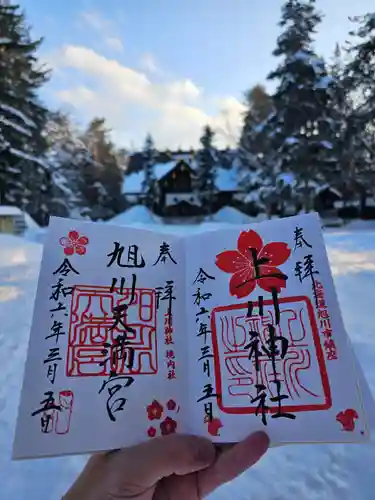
[
  {"x": 34, "y": 232},
  {"x": 230, "y": 215},
  {"x": 138, "y": 214},
  {"x": 362, "y": 225}
]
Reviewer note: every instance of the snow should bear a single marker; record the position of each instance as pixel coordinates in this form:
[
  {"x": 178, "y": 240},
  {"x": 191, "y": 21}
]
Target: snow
[
  {"x": 133, "y": 183},
  {"x": 332, "y": 189},
  {"x": 230, "y": 215},
  {"x": 324, "y": 82},
  {"x": 162, "y": 169},
  {"x": 301, "y": 55},
  {"x": 226, "y": 179},
  {"x": 287, "y": 178},
  {"x": 11, "y": 124},
  {"x": 311, "y": 472},
  {"x": 25, "y": 156},
  {"x": 252, "y": 197},
  {"x": 291, "y": 140},
  {"x": 137, "y": 215},
  {"x": 16, "y": 112},
  {"x": 315, "y": 62},
  {"x": 9, "y": 210},
  {"x": 259, "y": 127},
  {"x": 326, "y": 144},
  {"x": 360, "y": 225}
]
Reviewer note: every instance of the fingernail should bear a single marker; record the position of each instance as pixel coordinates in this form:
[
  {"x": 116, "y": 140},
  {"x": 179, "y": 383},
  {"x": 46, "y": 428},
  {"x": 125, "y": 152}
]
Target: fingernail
[{"x": 260, "y": 439}]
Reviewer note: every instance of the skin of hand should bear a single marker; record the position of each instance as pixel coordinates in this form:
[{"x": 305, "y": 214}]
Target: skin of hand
[{"x": 174, "y": 467}]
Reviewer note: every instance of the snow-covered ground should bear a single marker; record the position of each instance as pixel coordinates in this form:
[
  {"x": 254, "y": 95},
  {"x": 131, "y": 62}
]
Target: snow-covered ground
[
  {"x": 323, "y": 472},
  {"x": 137, "y": 215}
]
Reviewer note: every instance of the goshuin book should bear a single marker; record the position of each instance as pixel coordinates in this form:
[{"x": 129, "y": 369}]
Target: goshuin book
[{"x": 138, "y": 334}]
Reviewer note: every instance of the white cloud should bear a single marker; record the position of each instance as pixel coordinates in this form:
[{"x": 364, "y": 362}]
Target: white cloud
[
  {"x": 229, "y": 120},
  {"x": 174, "y": 112},
  {"x": 80, "y": 95},
  {"x": 96, "y": 20},
  {"x": 185, "y": 89},
  {"x": 148, "y": 63},
  {"x": 104, "y": 27},
  {"x": 114, "y": 43}
]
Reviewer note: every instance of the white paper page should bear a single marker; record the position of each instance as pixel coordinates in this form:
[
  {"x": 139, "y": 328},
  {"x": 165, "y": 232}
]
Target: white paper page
[
  {"x": 76, "y": 406},
  {"x": 313, "y": 365}
]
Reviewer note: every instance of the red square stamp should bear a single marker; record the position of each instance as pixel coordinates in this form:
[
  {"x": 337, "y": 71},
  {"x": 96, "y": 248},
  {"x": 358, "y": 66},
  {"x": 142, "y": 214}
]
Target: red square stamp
[
  {"x": 302, "y": 372},
  {"x": 91, "y": 329}
]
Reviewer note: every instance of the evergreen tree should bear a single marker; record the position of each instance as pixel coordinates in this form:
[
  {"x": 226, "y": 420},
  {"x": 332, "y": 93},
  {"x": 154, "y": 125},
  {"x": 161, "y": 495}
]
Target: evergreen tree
[
  {"x": 104, "y": 183},
  {"x": 359, "y": 139},
  {"x": 302, "y": 131},
  {"x": 258, "y": 172},
  {"x": 24, "y": 178},
  {"x": 150, "y": 186},
  {"x": 206, "y": 171},
  {"x": 259, "y": 106},
  {"x": 67, "y": 159}
]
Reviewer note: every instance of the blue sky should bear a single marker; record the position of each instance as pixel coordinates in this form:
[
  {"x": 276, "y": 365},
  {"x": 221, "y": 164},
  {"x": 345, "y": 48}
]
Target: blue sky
[{"x": 166, "y": 66}]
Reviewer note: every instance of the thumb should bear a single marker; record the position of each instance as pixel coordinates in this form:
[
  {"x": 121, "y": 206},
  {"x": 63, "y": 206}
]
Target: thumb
[{"x": 147, "y": 463}]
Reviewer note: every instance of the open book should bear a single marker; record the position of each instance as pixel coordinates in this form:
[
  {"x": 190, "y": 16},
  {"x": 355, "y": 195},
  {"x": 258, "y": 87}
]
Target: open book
[{"x": 138, "y": 334}]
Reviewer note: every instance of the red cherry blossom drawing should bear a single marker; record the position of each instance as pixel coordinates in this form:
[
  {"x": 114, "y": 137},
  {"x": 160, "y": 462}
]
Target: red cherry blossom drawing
[
  {"x": 151, "y": 432},
  {"x": 347, "y": 419},
  {"x": 168, "y": 426},
  {"x": 154, "y": 410},
  {"x": 213, "y": 426},
  {"x": 74, "y": 243},
  {"x": 253, "y": 264}
]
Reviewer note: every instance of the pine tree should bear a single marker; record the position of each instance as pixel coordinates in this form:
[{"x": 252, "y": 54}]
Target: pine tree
[
  {"x": 69, "y": 161},
  {"x": 302, "y": 130},
  {"x": 150, "y": 186},
  {"x": 359, "y": 141},
  {"x": 24, "y": 178},
  {"x": 258, "y": 166},
  {"x": 206, "y": 171},
  {"x": 103, "y": 183}
]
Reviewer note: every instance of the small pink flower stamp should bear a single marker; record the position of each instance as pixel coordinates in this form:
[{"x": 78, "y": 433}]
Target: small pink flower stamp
[{"x": 74, "y": 243}]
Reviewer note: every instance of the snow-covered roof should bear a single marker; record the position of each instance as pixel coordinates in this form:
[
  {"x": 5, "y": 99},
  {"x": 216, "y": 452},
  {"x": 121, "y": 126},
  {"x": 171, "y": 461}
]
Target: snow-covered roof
[
  {"x": 133, "y": 183},
  {"x": 226, "y": 179},
  {"x": 9, "y": 210},
  {"x": 332, "y": 189},
  {"x": 162, "y": 169}
]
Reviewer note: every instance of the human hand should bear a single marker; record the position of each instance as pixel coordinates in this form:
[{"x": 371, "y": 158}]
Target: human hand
[{"x": 174, "y": 467}]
